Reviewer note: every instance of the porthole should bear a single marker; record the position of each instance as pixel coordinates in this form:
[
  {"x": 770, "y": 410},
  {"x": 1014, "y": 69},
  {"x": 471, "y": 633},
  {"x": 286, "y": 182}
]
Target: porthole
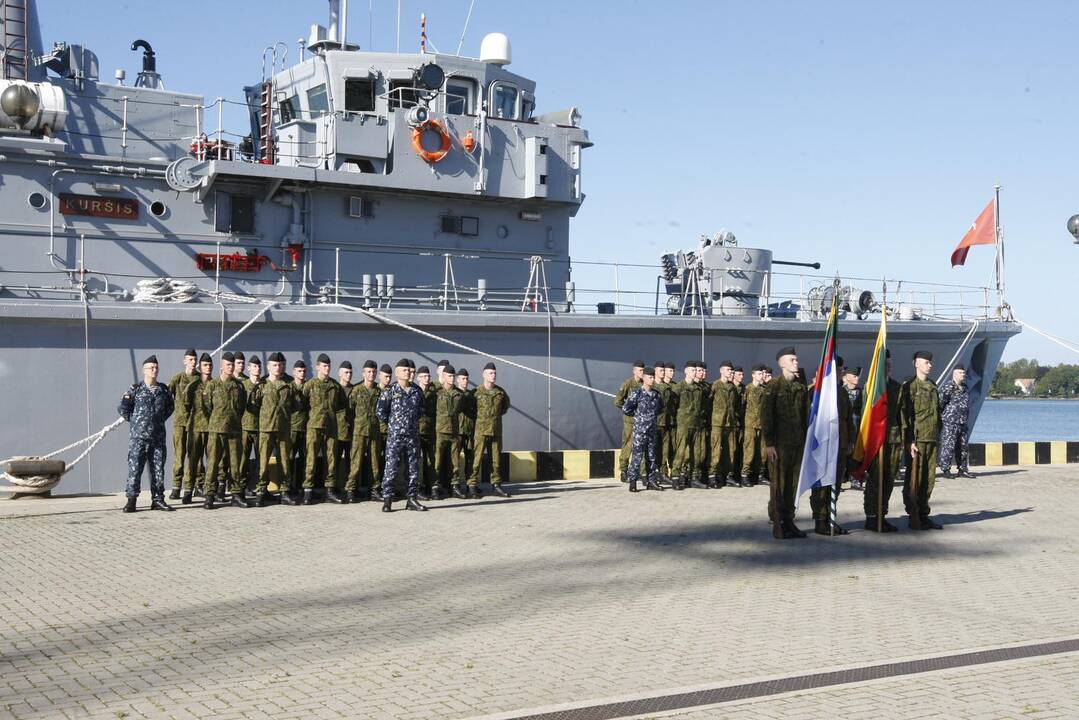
[
  {"x": 36, "y": 200},
  {"x": 157, "y": 208}
]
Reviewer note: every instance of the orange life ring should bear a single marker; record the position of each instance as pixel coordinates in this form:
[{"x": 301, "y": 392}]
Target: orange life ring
[{"x": 431, "y": 156}]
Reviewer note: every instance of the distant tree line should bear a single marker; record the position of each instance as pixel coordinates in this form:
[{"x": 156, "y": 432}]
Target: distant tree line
[{"x": 1060, "y": 381}]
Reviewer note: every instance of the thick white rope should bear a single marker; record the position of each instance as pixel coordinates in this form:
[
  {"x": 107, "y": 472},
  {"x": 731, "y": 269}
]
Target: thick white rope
[
  {"x": 466, "y": 348},
  {"x": 955, "y": 357},
  {"x": 1067, "y": 345}
]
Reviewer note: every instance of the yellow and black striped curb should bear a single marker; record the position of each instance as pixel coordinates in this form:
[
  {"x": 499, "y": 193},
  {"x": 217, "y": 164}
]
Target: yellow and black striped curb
[{"x": 996, "y": 454}]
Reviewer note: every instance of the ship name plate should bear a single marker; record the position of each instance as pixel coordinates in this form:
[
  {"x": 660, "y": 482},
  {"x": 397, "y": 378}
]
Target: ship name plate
[{"x": 95, "y": 206}]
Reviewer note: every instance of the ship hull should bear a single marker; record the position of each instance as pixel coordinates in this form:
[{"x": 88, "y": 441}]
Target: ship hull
[{"x": 66, "y": 365}]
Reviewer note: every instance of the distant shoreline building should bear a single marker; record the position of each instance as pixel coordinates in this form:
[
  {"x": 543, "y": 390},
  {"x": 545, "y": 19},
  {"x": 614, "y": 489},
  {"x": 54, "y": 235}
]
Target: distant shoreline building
[{"x": 1025, "y": 385}]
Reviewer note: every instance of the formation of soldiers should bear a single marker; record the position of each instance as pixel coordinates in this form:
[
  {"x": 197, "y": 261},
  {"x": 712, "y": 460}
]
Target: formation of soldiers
[
  {"x": 329, "y": 439},
  {"x": 692, "y": 434}
]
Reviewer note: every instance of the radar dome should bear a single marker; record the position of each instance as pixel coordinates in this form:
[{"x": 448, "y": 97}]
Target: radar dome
[{"x": 495, "y": 49}]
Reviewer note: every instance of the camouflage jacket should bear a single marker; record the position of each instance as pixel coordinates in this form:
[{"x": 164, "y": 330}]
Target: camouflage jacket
[
  {"x": 251, "y": 413},
  {"x": 345, "y": 414},
  {"x": 919, "y": 406},
  {"x": 400, "y": 408},
  {"x": 740, "y": 406},
  {"x": 274, "y": 401},
  {"x": 298, "y": 422},
  {"x": 690, "y": 399},
  {"x": 178, "y": 386},
  {"x": 623, "y": 392},
  {"x": 724, "y": 404},
  {"x": 147, "y": 407},
  {"x": 785, "y": 413},
  {"x": 467, "y": 418},
  {"x": 363, "y": 400},
  {"x": 323, "y": 399},
  {"x": 751, "y": 416},
  {"x": 491, "y": 405},
  {"x": 644, "y": 407},
  {"x": 448, "y": 411},
  {"x": 200, "y": 421},
  {"x": 427, "y": 419},
  {"x": 225, "y": 400}
]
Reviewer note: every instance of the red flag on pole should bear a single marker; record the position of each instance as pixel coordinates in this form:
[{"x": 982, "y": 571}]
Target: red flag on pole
[{"x": 982, "y": 232}]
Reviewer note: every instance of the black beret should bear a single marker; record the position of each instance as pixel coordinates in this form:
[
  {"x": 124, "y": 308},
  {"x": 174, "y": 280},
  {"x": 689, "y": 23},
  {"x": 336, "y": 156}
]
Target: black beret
[
  {"x": 151, "y": 359},
  {"x": 789, "y": 350},
  {"x": 923, "y": 355},
  {"x": 370, "y": 364},
  {"x": 402, "y": 363},
  {"x": 411, "y": 365},
  {"x": 299, "y": 364},
  {"x": 463, "y": 372},
  {"x": 691, "y": 364},
  {"x": 489, "y": 366},
  {"x": 761, "y": 367},
  {"x": 227, "y": 357},
  {"x": 650, "y": 371},
  {"x": 205, "y": 357},
  {"x": 638, "y": 363},
  {"x": 423, "y": 370},
  {"x": 443, "y": 363},
  {"x": 323, "y": 358},
  {"x": 448, "y": 368},
  {"x": 726, "y": 363},
  {"x": 958, "y": 366},
  {"x": 853, "y": 371},
  {"x": 238, "y": 355},
  {"x": 255, "y": 361},
  {"x": 702, "y": 364},
  {"x": 387, "y": 369},
  {"x": 887, "y": 354},
  {"x": 839, "y": 361},
  {"x": 346, "y": 365},
  {"x": 191, "y": 353},
  {"x": 276, "y": 357}
]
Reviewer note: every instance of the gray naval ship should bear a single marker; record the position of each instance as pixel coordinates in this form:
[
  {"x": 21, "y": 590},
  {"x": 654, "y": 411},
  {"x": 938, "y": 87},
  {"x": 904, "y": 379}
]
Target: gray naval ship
[{"x": 374, "y": 205}]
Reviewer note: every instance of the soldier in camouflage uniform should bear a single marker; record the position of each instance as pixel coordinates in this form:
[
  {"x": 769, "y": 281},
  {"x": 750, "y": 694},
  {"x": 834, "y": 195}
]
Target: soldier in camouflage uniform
[
  {"x": 323, "y": 398},
  {"x": 954, "y": 430},
  {"x": 182, "y": 420},
  {"x": 448, "y": 436},
  {"x": 740, "y": 425},
  {"x": 784, "y": 420},
  {"x": 630, "y": 384},
  {"x": 724, "y": 420},
  {"x": 225, "y": 399},
  {"x": 274, "y": 400},
  {"x": 492, "y": 402},
  {"x": 704, "y": 461},
  {"x": 644, "y": 405},
  {"x": 889, "y": 459},
  {"x": 689, "y": 443},
  {"x": 250, "y": 423},
  {"x": 385, "y": 380},
  {"x": 344, "y": 431},
  {"x": 146, "y": 405},
  {"x": 195, "y": 475},
  {"x": 362, "y": 400},
  {"x": 467, "y": 426},
  {"x": 427, "y": 432},
  {"x": 920, "y": 404},
  {"x": 400, "y": 407},
  {"x": 753, "y": 454},
  {"x": 820, "y": 498},
  {"x": 298, "y": 425},
  {"x": 663, "y": 421}
]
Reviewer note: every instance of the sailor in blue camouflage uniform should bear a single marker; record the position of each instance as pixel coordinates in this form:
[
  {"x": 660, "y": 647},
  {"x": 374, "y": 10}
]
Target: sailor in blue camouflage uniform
[
  {"x": 954, "y": 427},
  {"x": 644, "y": 404},
  {"x": 146, "y": 405},
  {"x": 400, "y": 406}
]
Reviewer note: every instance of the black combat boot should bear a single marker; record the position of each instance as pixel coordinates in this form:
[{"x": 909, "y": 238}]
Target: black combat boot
[
  {"x": 652, "y": 484},
  {"x": 474, "y": 493},
  {"x": 335, "y": 497},
  {"x": 929, "y": 524},
  {"x": 821, "y": 527},
  {"x": 387, "y": 504},
  {"x": 623, "y": 476},
  {"x": 458, "y": 491},
  {"x": 265, "y": 499},
  {"x": 423, "y": 495},
  {"x": 966, "y": 474},
  {"x": 376, "y": 493},
  {"x": 130, "y": 505},
  {"x": 208, "y": 502},
  {"x": 159, "y": 504},
  {"x": 238, "y": 500},
  {"x": 356, "y": 497},
  {"x": 633, "y": 486},
  {"x": 713, "y": 483},
  {"x": 175, "y": 494},
  {"x": 308, "y": 497},
  {"x": 288, "y": 498},
  {"x": 221, "y": 494},
  {"x": 198, "y": 492},
  {"x": 186, "y": 499},
  {"x": 676, "y": 483},
  {"x": 497, "y": 490},
  {"x": 871, "y": 524},
  {"x": 436, "y": 493},
  {"x": 413, "y": 504},
  {"x": 694, "y": 483},
  {"x": 793, "y": 530}
]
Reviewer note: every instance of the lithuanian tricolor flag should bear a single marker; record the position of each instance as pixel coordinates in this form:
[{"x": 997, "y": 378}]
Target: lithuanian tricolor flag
[{"x": 875, "y": 407}]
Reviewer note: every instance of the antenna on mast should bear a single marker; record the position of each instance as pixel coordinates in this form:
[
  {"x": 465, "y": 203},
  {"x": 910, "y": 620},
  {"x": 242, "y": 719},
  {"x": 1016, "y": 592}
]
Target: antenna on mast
[{"x": 464, "y": 30}]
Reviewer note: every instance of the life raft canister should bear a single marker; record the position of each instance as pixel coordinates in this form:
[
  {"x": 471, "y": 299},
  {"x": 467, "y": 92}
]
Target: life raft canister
[{"x": 431, "y": 156}]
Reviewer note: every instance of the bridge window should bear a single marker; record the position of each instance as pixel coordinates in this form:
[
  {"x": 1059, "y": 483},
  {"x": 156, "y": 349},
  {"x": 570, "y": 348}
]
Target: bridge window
[
  {"x": 528, "y": 105},
  {"x": 403, "y": 94},
  {"x": 317, "y": 104},
  {"x": 359, "y": 95},
  {"x": 289, "y": 108},
  {"x": 459, "y": 97},
  {"x": 504, "y": 100}
]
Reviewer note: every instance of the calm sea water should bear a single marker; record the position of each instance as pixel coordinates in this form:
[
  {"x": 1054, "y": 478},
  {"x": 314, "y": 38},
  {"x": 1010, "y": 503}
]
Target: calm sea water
[{"x": 1020, "y": 420}]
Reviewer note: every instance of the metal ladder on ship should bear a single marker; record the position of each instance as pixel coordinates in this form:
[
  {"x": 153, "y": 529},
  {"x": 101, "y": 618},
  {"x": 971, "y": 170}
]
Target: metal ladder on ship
[{"x": 16, "y": 43}]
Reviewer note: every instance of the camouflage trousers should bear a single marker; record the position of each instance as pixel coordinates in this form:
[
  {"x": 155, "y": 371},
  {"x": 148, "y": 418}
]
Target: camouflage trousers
[
  {"x": 953, "y": 446},
  {"x": 487, "y": 445},
  {"x": 141, "y": 451},
  {"x": 427, "y": 462},
  {"x": 644, "y": 447},
  {"x": 752, "y": 453},
  {"x": 921, "y": 476},
  {"x": 250, "y": 465},
  {"x": 820, "y": 499},
  {"x": 447, "y": 459},
  {"x": 724, "y": 449},
  {"x": 627, "y": 445},
  {"x": 181, "y": 453},
  {"x": 664, "y": 450},
  {"x": 688, "y": 454},
  {"x": 195, "y": 473},
  {"x": 344, "y": 455},
  {"x": 409, "y": 448},
  {"x": 783, "y": 474},
  {"x": 888, "y": 461},
  {"x": 273, "y": 443},
  {"x": 299, "y": 457},
  {"x": 226, "y": 452},
  {"x": 468, "y": 445},
  {"x": 364, "y": 449},
  {"x": 319, "y": 443}
]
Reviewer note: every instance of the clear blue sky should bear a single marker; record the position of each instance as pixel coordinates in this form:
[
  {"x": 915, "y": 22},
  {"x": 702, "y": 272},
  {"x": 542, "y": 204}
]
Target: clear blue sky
[{"x": 866, "y": 136}]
